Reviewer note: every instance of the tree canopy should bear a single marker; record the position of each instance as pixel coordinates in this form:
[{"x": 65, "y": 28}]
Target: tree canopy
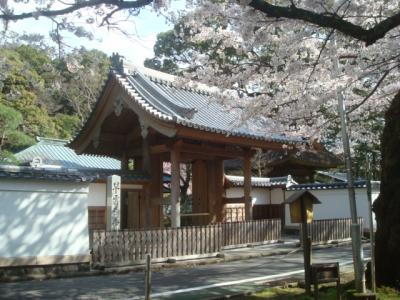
[
  {"x": 45, "y": 96},
  {"x": 283, "y": 66}
]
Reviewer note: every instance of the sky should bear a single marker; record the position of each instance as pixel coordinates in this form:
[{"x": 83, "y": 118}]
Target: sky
[{"x": 142, "y": 29}]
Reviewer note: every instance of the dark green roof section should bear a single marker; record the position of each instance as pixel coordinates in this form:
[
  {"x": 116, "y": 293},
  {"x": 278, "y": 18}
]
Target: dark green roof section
[
  {"x": 55, "y": 152},
  {"x": 67, "y": 175},
  {"x": 29, "y": 173},
  {"x": 161, "y": 97}
]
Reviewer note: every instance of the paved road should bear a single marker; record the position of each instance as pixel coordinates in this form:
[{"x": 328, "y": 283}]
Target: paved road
[{"x": 198, "y": 282}]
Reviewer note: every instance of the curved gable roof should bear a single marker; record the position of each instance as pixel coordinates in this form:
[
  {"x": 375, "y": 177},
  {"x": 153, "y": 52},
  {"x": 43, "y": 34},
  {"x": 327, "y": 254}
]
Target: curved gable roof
[{"x": 159, "y": 95}]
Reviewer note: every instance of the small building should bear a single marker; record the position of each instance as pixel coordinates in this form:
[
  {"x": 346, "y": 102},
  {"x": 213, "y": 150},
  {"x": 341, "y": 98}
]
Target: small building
[
  {"x": 267, "y": 196},
  {"x": 334, "y": 199}
]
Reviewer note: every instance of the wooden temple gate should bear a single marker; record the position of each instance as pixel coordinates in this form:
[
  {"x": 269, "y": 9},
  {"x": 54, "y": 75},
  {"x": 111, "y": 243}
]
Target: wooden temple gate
[{"x": 144, "y": 119}]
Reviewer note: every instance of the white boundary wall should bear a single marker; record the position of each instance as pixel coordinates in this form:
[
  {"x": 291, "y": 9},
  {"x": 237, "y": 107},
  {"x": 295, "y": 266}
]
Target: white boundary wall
[
  {"x": 260, "y": 195},
  {"x": 335, "y": 204},
  {"x": 43, "y": 222}
]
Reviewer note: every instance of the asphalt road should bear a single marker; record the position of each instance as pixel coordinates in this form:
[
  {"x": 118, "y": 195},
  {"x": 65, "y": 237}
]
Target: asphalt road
[{"x": 200, "y": 282}]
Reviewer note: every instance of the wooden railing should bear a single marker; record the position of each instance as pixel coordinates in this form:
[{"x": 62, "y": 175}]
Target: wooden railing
[
  {"x": 239, "y": 233},
  {"x": 331, "y": 229},
  {"x": 131, "y": 246}
]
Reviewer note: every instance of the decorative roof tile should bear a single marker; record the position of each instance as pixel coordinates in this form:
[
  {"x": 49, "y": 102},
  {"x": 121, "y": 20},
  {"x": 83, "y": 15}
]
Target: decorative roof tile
[
  {"x": 16, "y": 172},
  {"x": 55, "y": 152},
  {"x": 326, "y": 186},
  {"x": 238, "y": 181}
]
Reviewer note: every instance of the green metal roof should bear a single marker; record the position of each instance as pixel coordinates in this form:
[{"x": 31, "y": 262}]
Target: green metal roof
[{"x": 55, "y": 152}]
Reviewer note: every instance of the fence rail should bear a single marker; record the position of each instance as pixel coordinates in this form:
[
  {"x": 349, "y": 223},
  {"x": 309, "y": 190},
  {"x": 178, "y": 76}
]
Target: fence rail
[
  {"x": 331, "y": 229},
  {"x": 238, "y": 233},
  {"x": 131, "y": 246}
]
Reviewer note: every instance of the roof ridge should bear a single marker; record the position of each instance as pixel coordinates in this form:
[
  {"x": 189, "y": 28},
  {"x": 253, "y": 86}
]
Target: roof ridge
[
  {"x": 169, "y": 79},
  {"x": 51, "y": 141}
]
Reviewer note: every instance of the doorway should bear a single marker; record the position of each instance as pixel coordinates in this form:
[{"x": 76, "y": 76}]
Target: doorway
[{"x": 133, "y": 209}]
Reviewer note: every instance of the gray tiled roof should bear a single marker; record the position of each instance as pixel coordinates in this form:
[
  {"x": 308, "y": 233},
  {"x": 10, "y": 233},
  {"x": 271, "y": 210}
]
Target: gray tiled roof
[
  {"x": 326, "y": 186},
  {"x": 238, "y": 181},
  {"x": 16, "y": 172},
  {"x": 62, "y": 174},
  {"x": 194, "y": 108},
  {"x": 55, "y": 152}
]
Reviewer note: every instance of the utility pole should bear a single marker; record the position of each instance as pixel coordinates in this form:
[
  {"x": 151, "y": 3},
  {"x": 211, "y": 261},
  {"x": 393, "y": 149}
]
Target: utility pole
[
  {"x": 355, "y": 227},
  {"x": 371, "y": 226}
]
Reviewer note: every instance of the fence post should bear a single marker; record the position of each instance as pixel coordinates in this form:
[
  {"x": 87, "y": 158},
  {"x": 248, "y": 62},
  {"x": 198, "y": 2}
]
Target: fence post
[{"x": 148, "y": 277}]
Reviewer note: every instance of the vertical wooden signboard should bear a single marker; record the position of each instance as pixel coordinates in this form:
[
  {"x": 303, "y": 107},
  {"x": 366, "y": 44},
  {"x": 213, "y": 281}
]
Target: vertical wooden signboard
[{"x": 113, "y": 202}]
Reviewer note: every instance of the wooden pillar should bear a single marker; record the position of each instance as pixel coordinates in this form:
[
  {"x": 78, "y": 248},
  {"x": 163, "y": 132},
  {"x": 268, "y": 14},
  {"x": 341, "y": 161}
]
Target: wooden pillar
[
  {"x": 156, "y": 190},
  {"x": 247, "y": 188},
  {"x": 216, "y": 189},
  {"x": 200, "y": 191},
  {"x": 175, "y": 188},
  {"x": 124, "y": 161},
  {"x": 212, "y": 193},
  {"x": 147, "y": 168},
  {"x": 146, "y": 154},
  {"x": 219, "y": 175}
]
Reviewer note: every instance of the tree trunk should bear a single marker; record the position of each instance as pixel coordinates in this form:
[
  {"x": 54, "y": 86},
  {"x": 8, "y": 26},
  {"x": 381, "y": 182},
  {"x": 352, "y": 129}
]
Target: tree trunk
[{"x": 387, "y": 206}]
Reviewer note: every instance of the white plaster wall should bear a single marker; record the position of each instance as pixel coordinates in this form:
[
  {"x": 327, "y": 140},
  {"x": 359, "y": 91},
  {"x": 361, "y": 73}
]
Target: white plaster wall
[
  {"x": 259, "y": 195},
  {"x": 97, "y": 194},
  {"x": 335, "y": 204},
  {"x": 278, "y": 196},
  {"x": 39, "y": 218}
]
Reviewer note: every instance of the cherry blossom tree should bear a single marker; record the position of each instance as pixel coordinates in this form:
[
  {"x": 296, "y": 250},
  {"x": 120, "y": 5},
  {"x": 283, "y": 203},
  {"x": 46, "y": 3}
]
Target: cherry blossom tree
[
  {"x": 284, "y": 68},
  {"x": 289, "y": 73}
]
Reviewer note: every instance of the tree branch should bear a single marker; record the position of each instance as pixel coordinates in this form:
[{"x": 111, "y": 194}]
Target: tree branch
[
  {"x": 371, "y": 92},
  {"x": 333, "y": 21},
  {"x": 120, "y": 4}
]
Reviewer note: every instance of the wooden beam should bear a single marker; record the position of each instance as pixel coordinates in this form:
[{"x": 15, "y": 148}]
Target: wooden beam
[
  {"x": 157, "y": 149},
  {"x": 200, "y": 135},
  {"x": 203, "y": 149},
  {"x": 235, "y": 200},
  {"x": 247, "y": 188},
  {"x": 208, "y": 150},
  {"x": 175, "y": 188},
  {"x": 115, "y": 138}
]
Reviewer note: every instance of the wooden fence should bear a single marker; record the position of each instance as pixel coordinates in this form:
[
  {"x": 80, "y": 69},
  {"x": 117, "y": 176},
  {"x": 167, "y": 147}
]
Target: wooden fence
[
  {"x": 331, "y": 229},
  {"x": 131, "y": 246},
  {"x": 239, "y": 233}
]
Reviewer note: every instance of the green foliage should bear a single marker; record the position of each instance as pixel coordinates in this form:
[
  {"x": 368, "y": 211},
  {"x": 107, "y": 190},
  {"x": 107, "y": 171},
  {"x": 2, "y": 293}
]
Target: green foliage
[
  {"x": 174, "y": 50},
  {"x": 10, "y": 119},
  {"x": 43, "y": 96},
  {"x": 7, "y": 157},
  {"x": 18, "y": 141},
  {"x": 10, "y": 137},
  {"x": 66, "y": 125}
]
